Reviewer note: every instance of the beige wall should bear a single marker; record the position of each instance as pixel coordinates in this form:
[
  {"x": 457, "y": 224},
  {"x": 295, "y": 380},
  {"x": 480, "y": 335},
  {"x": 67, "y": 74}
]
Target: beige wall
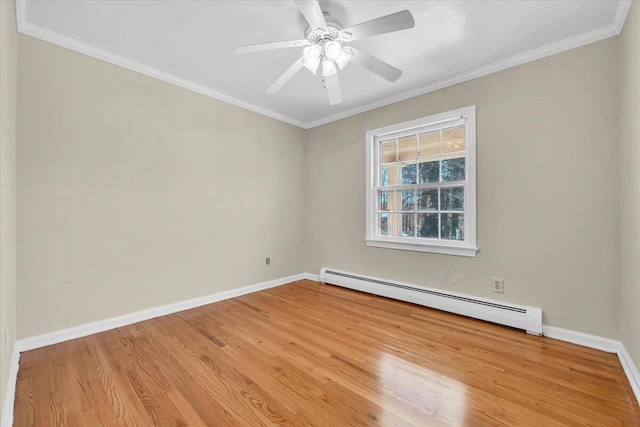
[
  {"x": 8, "y": 102},
  {"x": 134, "y": 193},
  {"x": 548, "y": 199},
  {"x": 630, "y": 183}
]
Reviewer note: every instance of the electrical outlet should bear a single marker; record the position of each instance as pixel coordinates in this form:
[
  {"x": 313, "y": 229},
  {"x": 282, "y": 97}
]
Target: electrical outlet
[
  {"x": 267, "y": 261},
  {"x": 497, "y": 284}
]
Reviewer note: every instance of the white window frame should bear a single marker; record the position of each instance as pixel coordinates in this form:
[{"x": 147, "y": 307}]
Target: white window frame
[{"x": 467, "y": 247}]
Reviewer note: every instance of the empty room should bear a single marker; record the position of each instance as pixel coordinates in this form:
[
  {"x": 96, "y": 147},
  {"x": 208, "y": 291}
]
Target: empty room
[{"x": 319, "y": 213}]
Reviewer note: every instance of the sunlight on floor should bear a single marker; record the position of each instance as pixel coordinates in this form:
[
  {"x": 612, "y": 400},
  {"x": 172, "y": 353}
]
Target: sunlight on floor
[{"x": 442, "y": 397}]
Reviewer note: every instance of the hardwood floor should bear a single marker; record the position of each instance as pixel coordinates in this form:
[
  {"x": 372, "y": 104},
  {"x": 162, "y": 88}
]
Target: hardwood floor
[{"x": 307, "y": 354}]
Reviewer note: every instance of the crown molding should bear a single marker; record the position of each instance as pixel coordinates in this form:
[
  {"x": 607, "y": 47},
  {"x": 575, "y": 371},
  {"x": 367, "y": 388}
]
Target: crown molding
[
  {"x": 58, "y": 39},
  {"x": 596, "y": 35},
  {"x": 624, "y": 6},
  {"x": 551, "y": 49}
]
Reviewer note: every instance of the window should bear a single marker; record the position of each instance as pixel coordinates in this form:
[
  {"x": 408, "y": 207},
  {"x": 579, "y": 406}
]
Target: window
[{"x": 421, "y": 184}]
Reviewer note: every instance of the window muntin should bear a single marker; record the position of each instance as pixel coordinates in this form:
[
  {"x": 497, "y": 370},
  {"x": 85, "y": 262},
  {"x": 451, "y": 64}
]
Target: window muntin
[{"x": 421, "y": 188}]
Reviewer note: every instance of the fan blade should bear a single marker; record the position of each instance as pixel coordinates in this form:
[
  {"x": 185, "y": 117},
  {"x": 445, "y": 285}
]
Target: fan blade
[
  {"x": 312, "y": 13},
  {"x": 269, "y": 46},
  {"x": 385, "y": 24},
  {"x": 285, "y": 77},
  {"x": 375, "y": 65},
  {"x": 333, "y": 89}
]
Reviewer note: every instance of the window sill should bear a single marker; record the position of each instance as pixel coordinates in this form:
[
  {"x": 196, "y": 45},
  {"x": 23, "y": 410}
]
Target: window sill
[{"x": 421, "y": 247}]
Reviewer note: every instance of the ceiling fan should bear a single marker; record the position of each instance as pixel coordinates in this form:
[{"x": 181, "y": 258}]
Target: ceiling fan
[{"x": 324, "y": 44}]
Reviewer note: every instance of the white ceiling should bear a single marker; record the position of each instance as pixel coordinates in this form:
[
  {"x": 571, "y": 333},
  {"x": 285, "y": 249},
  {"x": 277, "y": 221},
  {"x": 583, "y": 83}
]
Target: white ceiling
[{"x": 190, "y": 43}]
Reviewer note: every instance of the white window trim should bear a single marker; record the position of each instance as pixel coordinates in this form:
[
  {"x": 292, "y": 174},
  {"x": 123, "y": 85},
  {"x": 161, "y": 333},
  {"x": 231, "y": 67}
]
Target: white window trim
[{"x": 466, "y": 248}]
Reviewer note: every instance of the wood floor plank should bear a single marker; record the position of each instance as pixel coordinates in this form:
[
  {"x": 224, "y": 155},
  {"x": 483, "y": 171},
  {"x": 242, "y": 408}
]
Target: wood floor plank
[
  {"x": 188, "y": 383},
  {"x": 503, "y": 388},
  {"x": 308, "y": 354}
]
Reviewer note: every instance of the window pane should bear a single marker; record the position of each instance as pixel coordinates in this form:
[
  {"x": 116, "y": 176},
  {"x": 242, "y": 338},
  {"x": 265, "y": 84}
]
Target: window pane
[
  {"x": 388, "y": 224},
  {"x": 392, "y": 224},
  {"x": 388, "y": 151},
  {"x": 453, "y": 169},
  {"x": 452, "y": 199},
  {"x": 452, "y": 226},
  {"x": 428, "y": 200},
  {"x": 384, "y": 201},
  {"x": 429, "y": 172},
  {"x": 453, "y": 140},
  {"x": 383, "y": 225},
  {"x": 408, "y": 225},
  {"x": 408, "y": 200},
  {"x": 429, "y": 144},
  {"x": 389, "y": 175},
  {"x": 407, "y": 148},
  {"x": 428, "y": 225},
  {"x": 409, "y": 173}
]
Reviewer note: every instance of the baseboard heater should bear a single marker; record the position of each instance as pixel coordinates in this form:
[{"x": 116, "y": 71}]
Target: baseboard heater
[{"x": 517, "y": 316}]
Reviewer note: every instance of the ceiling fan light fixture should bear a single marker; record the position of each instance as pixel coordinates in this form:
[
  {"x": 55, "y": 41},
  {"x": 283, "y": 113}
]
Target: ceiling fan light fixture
[
  {"x": 332, "y": 50},
  {"x": 312, "y": 53},
  {"x": 313, "y": 67},
  {"x": 311, "y": 57},
  {"x": 345, "y": 56},
  {"x": 328, "y": 68},
  {"x": 323, "y": 42}
]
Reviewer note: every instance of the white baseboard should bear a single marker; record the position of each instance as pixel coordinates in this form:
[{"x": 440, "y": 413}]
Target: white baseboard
[
  {"x": 630, "y": 370},
  {"x": 591, "y": 341},
  {"x": 116, "y": 322},
  {"x": 139, "y": 316},
  {"x": 599, "y": 343},
  {"x": 310, "y": 276},
  {"x": 585, "y": 340},
  {"x": 10, "y": 394}
]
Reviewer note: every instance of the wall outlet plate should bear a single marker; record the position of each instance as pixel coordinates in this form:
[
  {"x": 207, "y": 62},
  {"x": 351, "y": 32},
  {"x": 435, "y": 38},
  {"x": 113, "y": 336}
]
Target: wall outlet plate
[{"x": 497, "y": 285}]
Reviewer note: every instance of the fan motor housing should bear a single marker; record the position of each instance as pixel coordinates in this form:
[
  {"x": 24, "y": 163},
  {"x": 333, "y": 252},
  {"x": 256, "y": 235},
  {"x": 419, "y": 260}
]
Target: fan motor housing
[{"x": 331, "y": 33}]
